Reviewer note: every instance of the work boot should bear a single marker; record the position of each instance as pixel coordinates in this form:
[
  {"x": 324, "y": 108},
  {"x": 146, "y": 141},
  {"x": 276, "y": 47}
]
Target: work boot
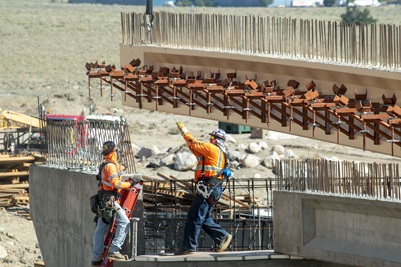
[
  {"x": 220, "y": 247},
  {"x": 182, "y": 251},
  {"x": 117, "y": 256},
  {"x": 96, "y": 263}
]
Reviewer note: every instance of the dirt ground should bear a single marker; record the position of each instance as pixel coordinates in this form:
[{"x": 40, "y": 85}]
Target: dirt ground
[{"x": 44, "y": 48}]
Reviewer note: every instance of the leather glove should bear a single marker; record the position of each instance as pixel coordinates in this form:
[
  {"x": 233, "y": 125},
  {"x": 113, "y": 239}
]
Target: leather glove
[
  {"x": 227, "y": 173},
  {"x": 137, "y": 177},
  {"x": 123, "y": 167},
  {"x": 181, "y": 128},
  {"x": 134, "y": 180}
]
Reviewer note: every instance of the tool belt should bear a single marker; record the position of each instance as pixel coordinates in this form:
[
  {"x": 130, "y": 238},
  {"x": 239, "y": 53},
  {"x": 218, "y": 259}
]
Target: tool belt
[
  {"x": 94, "y": 203},
  {"x": 205, "y": 187},
  {"x": 106, "y": 209},
  {"x": 107, "y": 212},
  {"x": 209, "y": 181},
  {"x": 104, "y": 196},
  {"x": 99, "y": 203}
]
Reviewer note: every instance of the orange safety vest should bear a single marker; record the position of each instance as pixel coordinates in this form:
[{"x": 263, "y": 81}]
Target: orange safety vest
[
  {"x": 211, "y": 157},
  {"x": 110, "y": 175}
]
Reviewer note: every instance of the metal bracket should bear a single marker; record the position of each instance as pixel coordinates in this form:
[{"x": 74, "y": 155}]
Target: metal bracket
[{"x": 393, "y": 141}]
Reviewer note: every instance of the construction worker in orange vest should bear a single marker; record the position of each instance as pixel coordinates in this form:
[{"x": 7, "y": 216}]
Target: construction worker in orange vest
[
  {"x": 110, "y": 187},
  {"x": 209, "y": 175}
]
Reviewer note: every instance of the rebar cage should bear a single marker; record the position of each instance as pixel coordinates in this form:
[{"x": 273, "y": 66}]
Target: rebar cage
[
  {"x": 78, "y": 144},
  {"x": 245, "y": 209}
]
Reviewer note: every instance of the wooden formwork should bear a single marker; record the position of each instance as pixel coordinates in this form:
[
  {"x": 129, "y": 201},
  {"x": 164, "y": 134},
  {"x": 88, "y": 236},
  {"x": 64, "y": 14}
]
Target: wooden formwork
[{"x": 14, "y": 182}]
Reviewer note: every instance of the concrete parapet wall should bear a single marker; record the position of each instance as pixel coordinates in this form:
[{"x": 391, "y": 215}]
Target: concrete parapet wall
[
  {"x": 59, "y": 206},
  {"x": 359, "y": 232},
  {"x": 60, "y": 210}
]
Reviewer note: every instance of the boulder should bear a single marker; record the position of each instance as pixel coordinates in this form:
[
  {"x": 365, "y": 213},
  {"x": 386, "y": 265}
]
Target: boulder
[
  {"x": 233, "y": 164},
  {"x": 3, "y": 252},
  {"x": 289, "y": 154},
  {"x": 168, "y": 160},
  {"x": 230, "y": 139},
  {"x": 269, "y": 161},
  {"x": 256, "y": 133},
  {"x": 233, "y": 155},
  {"x": 157, "y": 162},
  {"x": 135, "y": 148},
  {"x": 251, "y": 161},
  {"x": 263, "y": 145},
  {"x": 185, "y": 161},
  {"x": 241, "y": 147},
  {"x": 278, "y": 149},
  {"x": 145, "y": 152},
  {"x": 253, "y": 148}
]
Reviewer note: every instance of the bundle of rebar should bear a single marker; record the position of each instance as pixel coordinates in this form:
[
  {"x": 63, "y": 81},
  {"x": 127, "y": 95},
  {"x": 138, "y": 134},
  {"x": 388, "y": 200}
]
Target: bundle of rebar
[{"x": 78, "y": 145}]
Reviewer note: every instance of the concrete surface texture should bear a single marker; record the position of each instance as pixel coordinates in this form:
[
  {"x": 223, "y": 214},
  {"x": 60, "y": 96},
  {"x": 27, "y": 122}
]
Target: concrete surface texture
[
  {"x": 61, "y": 215},
  {"x": 64, "y": 227},
  {"x": 359, "y": 232}
]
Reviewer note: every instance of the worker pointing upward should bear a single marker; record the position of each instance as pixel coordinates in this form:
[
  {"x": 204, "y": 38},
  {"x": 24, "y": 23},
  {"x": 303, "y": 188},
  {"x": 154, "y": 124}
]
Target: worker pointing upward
[{"x": 209, "y": 175}]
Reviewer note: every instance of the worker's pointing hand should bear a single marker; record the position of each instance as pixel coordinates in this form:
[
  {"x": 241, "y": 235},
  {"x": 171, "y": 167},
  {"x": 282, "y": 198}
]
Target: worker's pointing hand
[
  {"x": 181, "y": 128},
  {"x": 137, "y": 177}
]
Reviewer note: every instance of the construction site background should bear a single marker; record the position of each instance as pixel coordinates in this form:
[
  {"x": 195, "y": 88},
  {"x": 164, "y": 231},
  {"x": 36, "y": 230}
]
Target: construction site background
[{"x": 40, "y": 69}]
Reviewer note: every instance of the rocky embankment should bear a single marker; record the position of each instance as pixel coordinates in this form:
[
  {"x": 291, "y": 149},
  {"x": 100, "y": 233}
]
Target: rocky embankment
[{"x": 18, "y": 243}]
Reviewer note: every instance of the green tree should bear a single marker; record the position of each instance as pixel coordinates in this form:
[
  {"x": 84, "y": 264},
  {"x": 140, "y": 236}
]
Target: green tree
[
  {"x": 195, "y": 3},
  {"x": 203, "y": 2},
  {"x": 266, "y": 2},
  {"x": 183, "y": 3},
  {"x": 357, "y": 16},
  {"x": 329, "y": 2}
]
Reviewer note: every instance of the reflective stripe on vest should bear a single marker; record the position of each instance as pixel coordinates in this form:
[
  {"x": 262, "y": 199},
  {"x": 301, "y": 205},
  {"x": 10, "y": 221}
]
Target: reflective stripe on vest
[
  {"x": 216, "y": 169},
  {"x": 110, "y": 177}
]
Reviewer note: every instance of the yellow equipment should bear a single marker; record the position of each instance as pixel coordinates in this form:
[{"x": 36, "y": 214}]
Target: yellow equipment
[
  {"x": 17, "y": 129},
  {"x": 14, "y": 120}
]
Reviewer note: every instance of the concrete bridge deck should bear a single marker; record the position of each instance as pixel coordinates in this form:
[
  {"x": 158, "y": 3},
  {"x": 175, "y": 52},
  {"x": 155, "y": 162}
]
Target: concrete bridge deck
[{"x": 225, "y": 259}]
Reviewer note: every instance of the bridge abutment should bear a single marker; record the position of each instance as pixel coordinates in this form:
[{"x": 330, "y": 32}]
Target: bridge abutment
[{"x": 356, "y": 231}]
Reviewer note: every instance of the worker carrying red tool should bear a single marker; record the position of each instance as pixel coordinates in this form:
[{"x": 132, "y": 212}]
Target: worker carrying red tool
[
  {"x": 109, "y": 193},
  {"x": 210, "y": 173}
]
